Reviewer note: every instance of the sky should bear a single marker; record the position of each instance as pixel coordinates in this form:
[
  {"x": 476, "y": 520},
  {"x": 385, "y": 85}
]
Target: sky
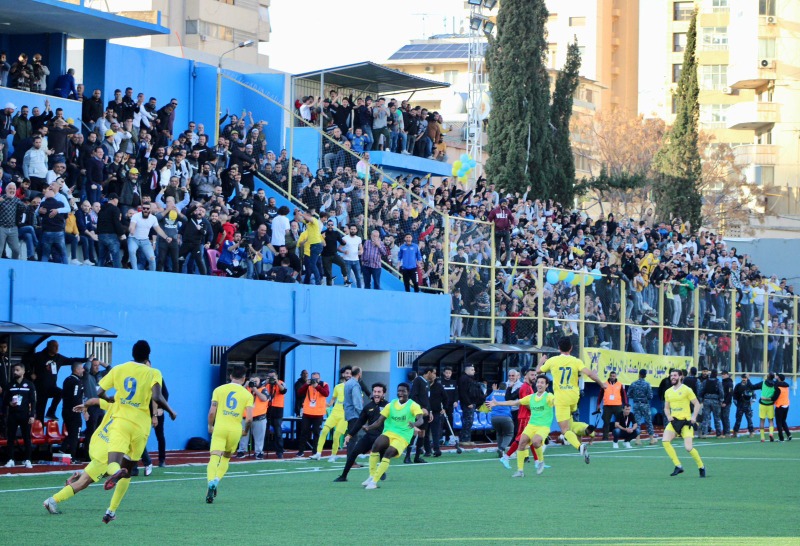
[{"x": 314, "y": 34}]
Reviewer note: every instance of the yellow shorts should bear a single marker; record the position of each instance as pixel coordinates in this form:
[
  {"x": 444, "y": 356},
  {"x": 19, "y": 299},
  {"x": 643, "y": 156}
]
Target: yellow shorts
[
  {"x": 98, "y": 455},
  {"x": 766, "y": 412},
  {"x": 225, "y": 440},
  {"x": 532, "y": 430},
  {"x": 336, "y": 421},
  {"x": 566, "y": 404},
  {"x": 96, "y": 469},
  {"x": 126, "y": 438},
  {"x": 686, "y": 432},
  {"x": 397, "y": 442}
]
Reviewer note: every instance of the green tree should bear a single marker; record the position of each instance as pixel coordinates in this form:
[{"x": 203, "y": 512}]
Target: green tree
[
  {"x": 519, "y": 133},
  {"x": 678, "y": 164},
  {"x": 563, "y": 181}
]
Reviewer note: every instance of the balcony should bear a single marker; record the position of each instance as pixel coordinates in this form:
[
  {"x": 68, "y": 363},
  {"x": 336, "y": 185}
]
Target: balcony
[
  {"x": 753, "y": 116},
  {"x": 751, "y": 75},
  {"x": 755, "y": 154}
]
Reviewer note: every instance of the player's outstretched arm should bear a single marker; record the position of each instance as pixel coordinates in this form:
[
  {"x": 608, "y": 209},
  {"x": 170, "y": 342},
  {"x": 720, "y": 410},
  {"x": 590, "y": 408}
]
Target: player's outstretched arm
[
  {"x": 591, "y": 374},
  {"x": 376, "y": 424},
  {"x": 162, "y": 402},
  {"x": 542, "y": 360},
  {"x": 512, "y": 403},
  {"x": 101, "y": 393}
]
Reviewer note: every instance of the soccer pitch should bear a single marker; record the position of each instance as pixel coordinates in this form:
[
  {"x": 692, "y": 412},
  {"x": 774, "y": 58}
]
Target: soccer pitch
[{"x": 624, "y": 496}]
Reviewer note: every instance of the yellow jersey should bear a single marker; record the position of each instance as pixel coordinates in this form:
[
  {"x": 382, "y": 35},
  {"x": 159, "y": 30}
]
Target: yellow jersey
[
  {"x": 314, "y": 230},
  {"x": 133, "y": 383},
  {"x": 680, "y": 401},
  {"x": 101, "y": 433},
  {"x": 566, "y": 371},
  {"x": 338, "y": 399},
  {"x": 232, "y": 401}
]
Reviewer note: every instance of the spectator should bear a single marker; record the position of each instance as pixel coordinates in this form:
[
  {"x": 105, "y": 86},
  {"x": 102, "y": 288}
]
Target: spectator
[
  {"x": 410, "y": 260},
  {"x": 109, "y": 232},
  {"x": 469, "y": 397},
  {"x": 743, "y": 396},
  {"x": 625, "y": 428},
  {"x": 73, "y": 396},
  {"x": 258, "y": 430},
  {"x": 298, "y": 400},
  {"x": 280, "y": 227},
  {"x": 46, "y": 364},
  {"x": 374, "y": 251},
  {"x": 502, "y": 422},
  {"x": 21, "y": 74},
  {"x": 11, "y": 208},
  {"x": 504, "y": 222},
  {"x": 19, "y": 403},
  {"x": 65, "y": 86},
  {"x": 40, "y": 73},
  {"x": 233, "y": 258},
  {"x": 333, "y": 242},
  {"x": 53, "y": 214},
  {"x": 351, "y": 253},
  {"x": 91, "y": 379},
  {"x": 613, "y": 399},
  {"x": 276, "y": 390},
  {"x": 312, "y": 394},
  {"x": 4, "y": 69}
]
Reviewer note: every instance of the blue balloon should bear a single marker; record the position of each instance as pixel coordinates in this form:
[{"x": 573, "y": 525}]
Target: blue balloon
[
  {"x": 596, "y": 274},
  {"x": 464, "y": 158},
  {"x": 472, "y": 163},
  {"x": 552, "y": 276},
  {"x": 569, "y": 278}
]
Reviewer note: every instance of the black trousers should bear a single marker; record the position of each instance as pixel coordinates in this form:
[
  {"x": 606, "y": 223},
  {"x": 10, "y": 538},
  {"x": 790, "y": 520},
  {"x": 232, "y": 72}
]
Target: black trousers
[
  {"x": 422, "y": 442},
  {"x": 197, "y": 252},
  {"x": 43, "y": 392},
  {"x": 448, "y": 412},
  {"x": 73, "y": 425},
  {"x": 608, "y": 411},
  {"x": 409, "y": 278},
  {"x": 309, "y": 432},
  {"x": 162, "y": 441},
  {"x": 364, "y": 445},
  {"x": 781, "y": 413},
  {"x": 275, "y": 420},
  {"x": 15, "y": 420},
  {"x": 168, "y": 249},
  {"x": 435, "y": 433},
  {"x": 95, "y": 416}
]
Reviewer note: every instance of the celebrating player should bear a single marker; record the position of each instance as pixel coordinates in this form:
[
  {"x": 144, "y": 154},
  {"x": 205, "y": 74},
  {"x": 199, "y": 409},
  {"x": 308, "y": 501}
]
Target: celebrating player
[
  {"x": 541, "y": 406},
  {"x": 566, "y": 370},
  {"x": 98, "y": 455},
  {"x": 335, "y": 421},
  {"x": 678, "y": 400},
  {"x": 370, "y": 414},
  {"x": 136, "y": 384},
  {"x": 225, "y": 427},
  {"x": 400, "y": 419}
]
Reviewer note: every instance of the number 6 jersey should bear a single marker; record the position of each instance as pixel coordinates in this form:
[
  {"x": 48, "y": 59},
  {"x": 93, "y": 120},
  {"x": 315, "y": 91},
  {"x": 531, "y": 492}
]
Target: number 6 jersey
[
  {"x": 133, "y": 383},
  {"x": 231, "y": 399}
]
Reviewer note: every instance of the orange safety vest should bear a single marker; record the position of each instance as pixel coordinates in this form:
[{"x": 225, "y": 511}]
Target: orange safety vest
[
  {"x": 314, "y": 403},
  {"x": 612, "y": 396},
  {"x": 259, "y": 406},
  {"x": 275, "y": 394},
  {"x": 783, "y": 399}
]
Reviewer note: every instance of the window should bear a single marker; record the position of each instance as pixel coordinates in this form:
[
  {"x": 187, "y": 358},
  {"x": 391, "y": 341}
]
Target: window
[
  {"x": 678, "y": 42},
  {"x": 676, "y": 72},
  {"x": 213, "y": 30},
  {"x": 682, "y": 11},
  {"x": 766, "y": 7},
  {"x": 450, "y": 76},
  {"x": 589, "y": 96},
  {"x": 765, "y": 175},
  {"x": 714, "y": 76},
  {"x": 719, "y": 5},
  {"x": 191, "y": 26},
  {"x": 577, "y": 21},
  {"x": 715, "y": 38},
  {"x": 714, "y": 114},
  {"x": 766, "y": 48}
]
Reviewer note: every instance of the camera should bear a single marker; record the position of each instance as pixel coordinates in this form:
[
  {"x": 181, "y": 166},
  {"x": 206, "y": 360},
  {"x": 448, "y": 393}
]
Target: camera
[
  {"x": 253, "y": 383},
  {"x": 272, "y": 380}
]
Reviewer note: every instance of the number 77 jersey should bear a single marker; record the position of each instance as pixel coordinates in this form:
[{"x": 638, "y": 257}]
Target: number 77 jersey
[
  {"x": 566, "y": 371},
  {"x": 133, "y": 383}
]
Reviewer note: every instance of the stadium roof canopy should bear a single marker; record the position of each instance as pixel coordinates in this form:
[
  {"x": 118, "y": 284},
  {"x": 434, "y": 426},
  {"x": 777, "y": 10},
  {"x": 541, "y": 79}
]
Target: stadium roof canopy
[
  {"x": 372, "y": 78},
  {"x": 25, "y": 337},
  {"x": 74, "y": 19}
]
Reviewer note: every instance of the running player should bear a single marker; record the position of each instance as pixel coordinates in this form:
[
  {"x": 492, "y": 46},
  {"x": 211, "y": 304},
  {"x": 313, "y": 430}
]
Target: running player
[
  {"x": 681, "y": 408},
  {"x": 566, "y": 370},
  {"x": 541, "y": 405},
  {"x": 136, "y": 384},
  {"x": 400, "y": 419},
  {"x": 335, "y": 421},
  {"x": 766, "y": 405},
  {"x": 98, "y": 455},
  {"x": 370, "y": 414},
  {"x": 225, "y": 426},
  {"x": 523, "y": 416}
]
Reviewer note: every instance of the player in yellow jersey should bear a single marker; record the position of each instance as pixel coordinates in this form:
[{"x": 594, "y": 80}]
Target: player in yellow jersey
[
  {"x": 566, "y": 370},
  {"x": 136, "y": 384},
  {"x": 681, "y": 408},
  {"x": 400, "y": 420},
  {"x": 98, "y": 455},
  {"x": 229, "y": 405},
  {"x": 335, "y": 421}
]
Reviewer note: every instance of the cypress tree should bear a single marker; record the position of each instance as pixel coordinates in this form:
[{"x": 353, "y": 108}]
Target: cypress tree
[
  {"x": 519, "y": 133},
  {"x": 563, "y": 181},
  {"x": 677, "y": 188}
]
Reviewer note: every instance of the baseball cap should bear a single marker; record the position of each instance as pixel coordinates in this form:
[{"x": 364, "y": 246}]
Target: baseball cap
[
  {"x": 10, "y": 105},
  {"x": 134, "y": 171},
  {"x": 109, "y": 132},
  {"x": 111, "y": 196}
]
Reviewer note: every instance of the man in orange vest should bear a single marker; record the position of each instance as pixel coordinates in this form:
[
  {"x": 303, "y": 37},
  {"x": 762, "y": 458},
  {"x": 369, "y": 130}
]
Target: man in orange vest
[
  {"x": 613, "y": 399},
  {"x": 313, "y": 395},
  {"x": 276, "y": 389},
  {"x": 258, "y": 429}
]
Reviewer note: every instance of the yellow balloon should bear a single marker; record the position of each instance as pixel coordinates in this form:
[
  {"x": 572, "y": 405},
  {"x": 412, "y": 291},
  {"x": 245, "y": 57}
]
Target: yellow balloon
[
  {"x": 576, "y": 280},
  {"x": 562, "y": 275},
  {"x": 457, "y": 165},
  {"x": 588, "y": 279}
]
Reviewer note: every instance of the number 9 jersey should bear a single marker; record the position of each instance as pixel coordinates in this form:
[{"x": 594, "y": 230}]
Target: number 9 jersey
[{"x": 133, "y": 383}]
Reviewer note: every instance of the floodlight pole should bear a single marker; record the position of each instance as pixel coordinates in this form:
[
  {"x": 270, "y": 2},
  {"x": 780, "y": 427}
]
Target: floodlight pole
[
  {"x": 476, "y": 88},
  {"x": 218, "y": 103}
]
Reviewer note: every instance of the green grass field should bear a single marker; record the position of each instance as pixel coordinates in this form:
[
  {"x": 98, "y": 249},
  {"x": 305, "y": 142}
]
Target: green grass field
[{"x": 622, "y": 497}]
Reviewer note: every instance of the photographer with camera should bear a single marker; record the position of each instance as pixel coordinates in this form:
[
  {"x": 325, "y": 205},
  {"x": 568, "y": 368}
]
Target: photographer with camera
[
  {"x": 276, "y": 389},
  {"x": 256, "y": 386},
  {"x": 313, "y": 395}
]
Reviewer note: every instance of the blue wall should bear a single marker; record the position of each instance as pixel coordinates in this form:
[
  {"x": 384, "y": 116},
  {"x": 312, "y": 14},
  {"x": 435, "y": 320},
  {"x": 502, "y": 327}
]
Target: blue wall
[{"x": 182, "y": 316}]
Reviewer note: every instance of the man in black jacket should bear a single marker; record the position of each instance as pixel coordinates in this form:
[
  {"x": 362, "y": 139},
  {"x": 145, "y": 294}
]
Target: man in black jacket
[
  {"x": 438, "y": 398},
  {"x": 195, "y": 232},
  {"x": 743, "y": 396},
  {"x": 19, "y": 401},
  {"x": 110, "y": 231},
  {"x": 692, "y": 381},
  {"x": 467, "y": 397},
  {"x": 421, "y": 394},
  {"x": 73, "y": 396},
  {"x": 727, "y": 398},
  {"x": 46, "y": 364},
  {"x": 450, "y": 387},
  {"x": 370, "y": 414}
]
